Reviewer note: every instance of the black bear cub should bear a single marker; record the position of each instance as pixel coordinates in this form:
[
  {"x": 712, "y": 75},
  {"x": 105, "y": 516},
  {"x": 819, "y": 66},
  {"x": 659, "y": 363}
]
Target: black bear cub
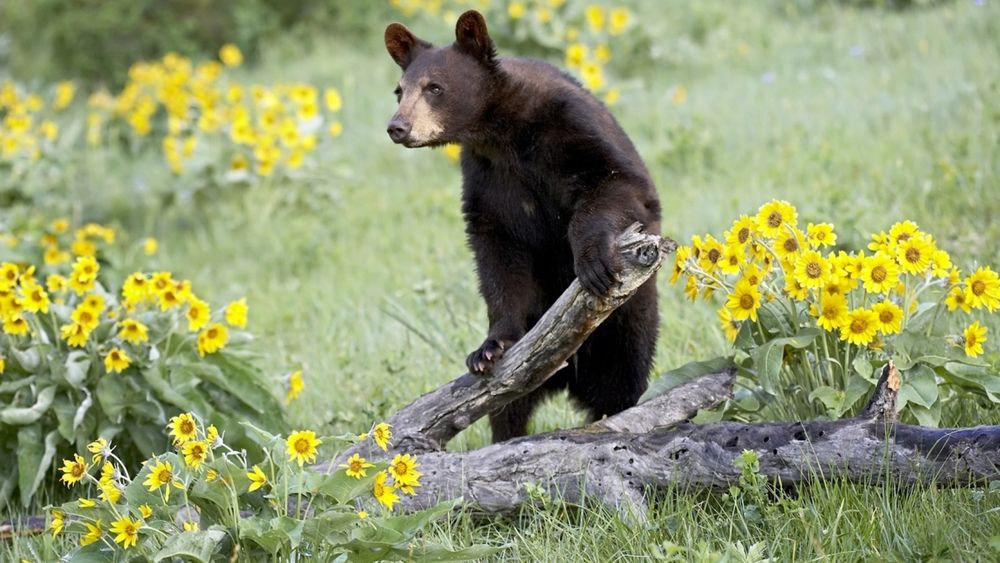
[{"x": 549, "y": 179}]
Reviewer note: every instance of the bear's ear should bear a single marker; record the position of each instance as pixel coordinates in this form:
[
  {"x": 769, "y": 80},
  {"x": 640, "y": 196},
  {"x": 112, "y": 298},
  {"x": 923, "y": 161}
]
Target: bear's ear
[
  {"x": 402, "y": 45},
  {"x": 472, "y": 37}
]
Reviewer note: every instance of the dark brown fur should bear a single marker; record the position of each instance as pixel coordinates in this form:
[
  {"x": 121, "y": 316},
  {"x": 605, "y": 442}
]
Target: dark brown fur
[{"x": 549, "y": 180}]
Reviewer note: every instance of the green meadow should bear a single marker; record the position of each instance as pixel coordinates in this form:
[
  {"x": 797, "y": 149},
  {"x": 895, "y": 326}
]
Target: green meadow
[{"x": 359, "y": 273}]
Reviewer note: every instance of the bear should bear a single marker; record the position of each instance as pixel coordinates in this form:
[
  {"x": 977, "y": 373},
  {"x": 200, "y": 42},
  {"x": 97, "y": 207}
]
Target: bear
[{"x": 549, "y": 180}]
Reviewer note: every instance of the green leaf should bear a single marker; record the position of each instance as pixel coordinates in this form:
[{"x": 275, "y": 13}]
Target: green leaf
[
  {"x": 191, "y": 546},
  {"x": 857, "y": 387},
  {"x": 687, "y": 372},
  {"x": 972, "y": 377},
  {"x": 273, "y": 533},
  {"x": 768, "y": 358},
  {"x": 925, "y": 416},
  {"x": 919, "y": 386},
  {"x": 77, "y": 367},
  {"x": 831, "y": 398},
  {"x": 164, "y": 391},
  {"x": 243, "y": 380},
  {"x": 29, "y": 359},
  {"x": 113, "y": 396},
  {"x": 21, "y": 416},
  {"x": 441, "y": 553}
]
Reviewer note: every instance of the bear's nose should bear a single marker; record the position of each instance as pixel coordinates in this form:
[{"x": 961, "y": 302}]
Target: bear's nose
[{"x": 398, "y": 130}]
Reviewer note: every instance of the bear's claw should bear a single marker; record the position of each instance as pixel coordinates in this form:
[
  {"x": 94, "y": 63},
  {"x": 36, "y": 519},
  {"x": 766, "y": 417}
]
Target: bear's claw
[{"x": 481, "y": 361}]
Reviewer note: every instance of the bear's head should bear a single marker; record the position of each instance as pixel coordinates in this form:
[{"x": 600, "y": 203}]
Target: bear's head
[{"x": 444, "y": 91}]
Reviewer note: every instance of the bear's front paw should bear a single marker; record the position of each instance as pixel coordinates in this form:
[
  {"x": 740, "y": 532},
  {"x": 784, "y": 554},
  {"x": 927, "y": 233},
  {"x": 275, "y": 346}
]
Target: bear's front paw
[
  {"x": 598, "y": 273},
  {"x": 481, "y": 361}
]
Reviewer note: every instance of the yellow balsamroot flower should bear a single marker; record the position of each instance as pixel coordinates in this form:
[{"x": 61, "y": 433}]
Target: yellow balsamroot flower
[
  {"x": 73, "y": 470},
  {"x": 198, "y": 314},
  {"x": 595, "y": 17},
  {"x": 335, "y": 129},
  {"x": 15, "y": 325},
  {"x": 811, "y": 269},
  {"x": 832, "y": 312},
  {"x": 133, "y": 331},
  {"x": 99, "y": 448},
  {"x": 618, "y": 20},
  {"x": 56, "y": 283},
  {"x": 914, "y": 254},
  {"x": 64, "y": 95},
  {"x": 383, "y": 492},
  {"x": 382, "y": 434},
  {"x": 86, "y": 503},
  {"x": 136, "y": 288},
  {"x": 230, "y": 55},
  {"x": 170, "y": 298},
  {"x": 295, "y": 386},
  {"x": 150, "y": 246},
  {"x": 94, "y": 303},
  {"x": 516, "y": 10},
  {"x": 301, "y": 446},
  {"x": 403, "y": 469},
  {"x": 983, "y": 289},
  {"x": 453, "y": 151},
  {"x": 741, "y": 232},
  {"x": 257, "y": 478},
  {"x": 787, "y": 246},
  {"x": 3, "y": 364},
  {"x": 110, "y": 492},
  {"x": 744, "y": 301},
  {"x": 691, "y": 289},
  {"x": 796, "y": 290},
  {"x": 127, "y": 530},
  {"x": 362, "y": 514},
  {"x": 85, "y": 317},
  {"x": 236, "y": 313},
  {"x": 860, "y": 328},
  {"x": 195, "y": 453},
  {"x": 94, "y": 533},
  {"x": 57, "y": 523},
  {"x": 190, "y": 526},
  {"x": 212, "y": 339},
  {"x": 820, "y": 234},
  {"x": 75, "y": 334},
  {"x": 35, "y": 299},
  {"x": 612, "y": 96},
  {"x": 711, "y": 251},
  {"x": 941, "y": 266},
  {"x": 956, "y": 300},
  {"x": 576, "y": 54},
  {"x": 890, "y": 317},
  {"x": 161, "y": 475},
  {"x": 730, "y": 327},
  {"x": 116, "y": 361},
  {"x": 973, "y": 338},
  {"x": 9, "y": 273},
  {"x": 162, "y": 281},
  {"x": 53, "y": 256},
  {"x": 733, "y": 257},
  {"x": 183, "y": 428},
  {"x": 331, "y": 96},
  {"x": 211, "y": 475},
  {"x": 356, "y": 465},
  {"x": 774, "y": 217},
  {"x": 680, "y": 263},
  {"x": 879, "y": 273},
  {"x": 145, "y": 511},
  {"x": 901, "y": 232},
  {"x": 85, "y": 271}
]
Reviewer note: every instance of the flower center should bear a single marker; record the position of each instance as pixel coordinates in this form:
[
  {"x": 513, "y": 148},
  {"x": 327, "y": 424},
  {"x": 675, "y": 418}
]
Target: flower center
[
  {"x": 903, "y": 237},
  {"x": 714, "y": 255},
  {"x": 400, "y": 469},
  {"x": 77, "y": 470},
  {"x": 743, "y": 235},
  {"x": 879, "y": 274},
  {"x": 187, "y": 427},
  {"x": 302, "y": 445},
  {"x": 858, "y": 326},
  {"x": 356, "y": 465},
  {"x": 830, "y": 312},
  {"x": 774, "y": 220},
  {"x": 746, "y": 301},
  {"x": 912, "y": 255},
  {"x": 791, "y": 245},
  {"x": 165, "y": 476},
  {"x": 978, "y": 287},
  {"x": 814, "y": 270},
  {"x": 212, "y": 333},
  {"x": 886, "y": 316}
]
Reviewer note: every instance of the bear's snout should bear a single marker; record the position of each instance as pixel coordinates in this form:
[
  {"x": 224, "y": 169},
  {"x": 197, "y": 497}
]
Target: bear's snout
[{"x": 399, "y": 130}]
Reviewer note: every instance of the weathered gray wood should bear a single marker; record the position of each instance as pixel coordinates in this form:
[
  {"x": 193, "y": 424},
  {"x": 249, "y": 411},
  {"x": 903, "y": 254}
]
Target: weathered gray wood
[
  {"x": 432, "y": 420},
  {"x": 616, "y": 467}
]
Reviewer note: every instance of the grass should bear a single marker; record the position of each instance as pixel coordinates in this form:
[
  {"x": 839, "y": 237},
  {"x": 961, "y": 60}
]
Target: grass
[{"x": 362, "y": 276}]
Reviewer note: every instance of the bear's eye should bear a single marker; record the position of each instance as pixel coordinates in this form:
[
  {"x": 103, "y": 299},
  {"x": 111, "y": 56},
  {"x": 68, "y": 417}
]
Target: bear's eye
[
  {"x": 399, "y": 93},
  {"x": 435, "y": 89}
]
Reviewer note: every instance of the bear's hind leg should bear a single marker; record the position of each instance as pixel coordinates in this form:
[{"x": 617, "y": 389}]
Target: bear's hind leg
[{"x": 511, "y": 421}]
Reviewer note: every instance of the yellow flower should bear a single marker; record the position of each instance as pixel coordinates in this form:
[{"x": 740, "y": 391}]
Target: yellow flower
[
  {"x": 190, "y": 526},
  {"x": 116, "y": 361},
  {"x": 901, "y": 232},
  {"x": 93, "y": 534},
  {"x": 35, "y": 299},
  {"x": 356, "y": 466},
  {"x": 576, "y": 54},
  {"x": 133, "y": 331},
  {"x": 257, "y": 478},
  {"x": 382, "y": 434},
  {"x": 53, "y": 256},
  {"x": 63, "y": 97},
  {"x": 730, "y": 327},
  {"x": 161, "y": 475},
  {"x": 150, "y": 246},
  {"x": 195, "y": 453},
  {"x": 295, "y": 386},
  {"x": 741, "y": 232},
  {"x": 9, "y": 272},
  {"x": 127, "y": 530},
  {"x": 212, "y": 436},
  {"x": 136, "y": 288},
  {"x": 383, "y": 492},
  {"x": 211, "y": 475},
  {"x": 146, "y": 511},
  {"x": 941, "y": 265},
  {"x": 879, "y": 273},
  {"x": 832, "y": 312},
  {"x": 974, "y": 337},
  {"x": 362, "y": 514},
  {"x": 774, "y": 216},
  {"x": 617, "y": 21},
  {"x": 75, "y": 334},
  {"x": 744, "y": 301},
  {"x": 787, "y": 246},
  {"x": 914, "y": 254},
  {"x": 860, "y": 327},
  {"x": 85, "y": 317},
  {"x": 197, "y": 314},
  {"x": 732, "y": 258},
  {"x": 56, "y": 283},
  {"x": 15, "y": 325},
  {"x": 57, "y": 523},
  {"x": 403, "y": 469},
  {"x": 230, "y": 55},
  {"x": 453, "y": 151},
  {"x": 236, "y": 313},
  {"x": 109, "y": 489},
  {"x": 890, "y": 317},
  {"x": 711, "y": 251},
  {"x": 3, "y": 364},
  {"x": 170, "y": 298},
  {"x": 335, "y": 129},
  {"x": 74, "y": 470},
  {"x": 811, "y": 269},
  {"x": 332, "y": 98},
  {"x": 183, "y": 428},
  {"x": 820, "y": 234},
  {"x": 956, "y": 299},
  {"x": 86, "y": 503},
  {"x": 84, "y": 273},
  {"x": 796, "y": 290},
  {"x": 516, "y": 10},
  {"x": 680, "y": 263},
  {"x": 212, "y": 339},
  {"x": 301, "y": 446},
  {"x": 595, "y": 17},
  {"x": 983, "y": 289}
]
